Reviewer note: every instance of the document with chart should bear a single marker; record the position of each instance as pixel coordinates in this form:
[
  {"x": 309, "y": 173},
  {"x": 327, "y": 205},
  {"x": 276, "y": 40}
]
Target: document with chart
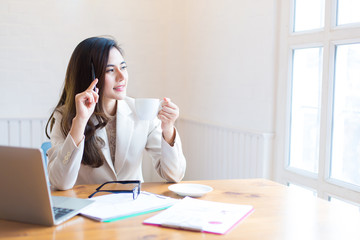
[{"x": 200, "y": 215}]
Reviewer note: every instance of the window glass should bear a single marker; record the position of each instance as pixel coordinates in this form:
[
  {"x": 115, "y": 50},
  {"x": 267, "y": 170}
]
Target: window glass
[
  {"x": 308, "y": 15},
  {"x": 345, "y": 160},
  {"x": 348, "y": 12},
  {"x": 305, "y": 108}
]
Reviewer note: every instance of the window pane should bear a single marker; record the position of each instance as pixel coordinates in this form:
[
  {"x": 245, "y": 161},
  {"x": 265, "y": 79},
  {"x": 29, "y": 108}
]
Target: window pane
[
  {"x": 308, "y": 14},
  {"x": 348, "y": 12},
  {"x": 305, "y": 109},
  {"x": 345, "y": 158}
]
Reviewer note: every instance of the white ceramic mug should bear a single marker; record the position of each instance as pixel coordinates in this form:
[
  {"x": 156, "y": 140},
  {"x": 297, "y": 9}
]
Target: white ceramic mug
[{"x": 147, "y": 108}]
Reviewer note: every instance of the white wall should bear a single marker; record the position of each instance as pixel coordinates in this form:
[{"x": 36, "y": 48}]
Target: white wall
[
  {"x": 214, "y": 58},
  {"x": 37, "y": 38},
  {"x": 221, "y": 58}
]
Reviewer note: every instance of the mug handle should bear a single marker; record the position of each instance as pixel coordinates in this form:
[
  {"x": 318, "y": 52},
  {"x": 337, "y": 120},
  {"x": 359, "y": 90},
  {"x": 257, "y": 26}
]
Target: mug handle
[{"x": 160, "y": 104}]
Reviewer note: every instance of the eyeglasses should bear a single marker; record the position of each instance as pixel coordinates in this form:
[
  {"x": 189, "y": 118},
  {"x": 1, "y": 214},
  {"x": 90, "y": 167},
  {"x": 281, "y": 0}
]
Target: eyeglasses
[{"x": 113, "y": 186}]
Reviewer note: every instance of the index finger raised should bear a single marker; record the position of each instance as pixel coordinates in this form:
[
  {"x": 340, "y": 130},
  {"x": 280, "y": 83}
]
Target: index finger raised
[{"x": 93, "y": 84}]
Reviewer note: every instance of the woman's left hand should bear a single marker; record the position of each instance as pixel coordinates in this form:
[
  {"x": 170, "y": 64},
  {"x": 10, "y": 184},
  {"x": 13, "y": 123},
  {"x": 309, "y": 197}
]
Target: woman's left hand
[{"x": 168, "y": 115}]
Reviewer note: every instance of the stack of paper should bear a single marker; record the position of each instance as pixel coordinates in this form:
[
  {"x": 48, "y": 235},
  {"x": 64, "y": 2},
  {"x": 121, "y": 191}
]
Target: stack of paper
[
  {"x": 200, "y": 215},
  {"x": 112, "y": 207}
]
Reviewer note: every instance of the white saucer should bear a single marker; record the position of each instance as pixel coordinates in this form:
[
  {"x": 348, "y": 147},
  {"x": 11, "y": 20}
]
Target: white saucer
[{"x": 190, "y": 189}]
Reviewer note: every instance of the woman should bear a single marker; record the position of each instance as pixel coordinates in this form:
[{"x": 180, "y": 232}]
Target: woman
[{"x": 95, "y": 133}]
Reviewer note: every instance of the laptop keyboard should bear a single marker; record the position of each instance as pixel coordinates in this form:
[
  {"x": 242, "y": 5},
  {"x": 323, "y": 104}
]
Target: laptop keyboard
[{"x": 59, "y": 212}]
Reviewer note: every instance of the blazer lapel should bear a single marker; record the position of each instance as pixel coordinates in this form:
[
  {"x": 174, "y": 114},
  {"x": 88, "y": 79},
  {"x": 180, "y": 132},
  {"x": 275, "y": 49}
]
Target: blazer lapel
[{"x": 124, "y": 131}]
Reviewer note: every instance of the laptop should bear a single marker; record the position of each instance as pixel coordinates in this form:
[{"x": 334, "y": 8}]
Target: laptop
[{"x": 25, "y": 193}]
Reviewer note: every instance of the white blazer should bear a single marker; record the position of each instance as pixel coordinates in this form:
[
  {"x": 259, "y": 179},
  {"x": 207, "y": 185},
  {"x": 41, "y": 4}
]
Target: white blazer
[{"x": 133, "y": 136}]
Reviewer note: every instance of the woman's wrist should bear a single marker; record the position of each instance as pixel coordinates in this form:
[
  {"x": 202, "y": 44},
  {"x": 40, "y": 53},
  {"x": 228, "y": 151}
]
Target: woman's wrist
[
  {"x": 169, "y": 136},
  {"x": 77, "y": 130}
]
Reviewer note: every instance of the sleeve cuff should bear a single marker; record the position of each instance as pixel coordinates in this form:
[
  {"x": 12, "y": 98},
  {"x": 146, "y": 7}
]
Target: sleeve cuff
[{"x": 77, "y": 146}]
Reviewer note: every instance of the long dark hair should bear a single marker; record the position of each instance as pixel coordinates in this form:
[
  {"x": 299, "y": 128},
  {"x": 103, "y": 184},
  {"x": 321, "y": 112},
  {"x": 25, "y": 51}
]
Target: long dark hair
[{"x": 78, "y": 77}]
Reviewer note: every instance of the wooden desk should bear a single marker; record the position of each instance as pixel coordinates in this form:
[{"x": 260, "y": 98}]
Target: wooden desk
[{"x": 280, "y": 213}]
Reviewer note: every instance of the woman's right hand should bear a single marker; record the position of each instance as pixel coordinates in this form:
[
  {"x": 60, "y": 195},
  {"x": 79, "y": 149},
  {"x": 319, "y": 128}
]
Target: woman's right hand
[
  {"x": 85, "y": 105},
  {"x": 85, "y": 102}
]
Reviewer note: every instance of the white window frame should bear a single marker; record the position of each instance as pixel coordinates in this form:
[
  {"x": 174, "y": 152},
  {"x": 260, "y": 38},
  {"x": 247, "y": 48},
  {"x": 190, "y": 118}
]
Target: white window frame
[{"x": 328, "y": 38}]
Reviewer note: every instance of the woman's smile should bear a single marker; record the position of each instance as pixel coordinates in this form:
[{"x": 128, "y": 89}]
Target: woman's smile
[{"x": 120, "y": 88}]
